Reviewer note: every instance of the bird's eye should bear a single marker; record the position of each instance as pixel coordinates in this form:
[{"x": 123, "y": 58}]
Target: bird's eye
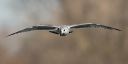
[{"x": 64, "y": 30}]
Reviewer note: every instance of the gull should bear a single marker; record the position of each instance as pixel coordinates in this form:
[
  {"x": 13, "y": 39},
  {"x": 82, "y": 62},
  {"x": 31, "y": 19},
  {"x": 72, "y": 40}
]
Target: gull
[{"x": 64, "y": 30}]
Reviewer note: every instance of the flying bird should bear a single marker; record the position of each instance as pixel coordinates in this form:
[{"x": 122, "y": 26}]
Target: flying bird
[{"x": 64, "y": 29}]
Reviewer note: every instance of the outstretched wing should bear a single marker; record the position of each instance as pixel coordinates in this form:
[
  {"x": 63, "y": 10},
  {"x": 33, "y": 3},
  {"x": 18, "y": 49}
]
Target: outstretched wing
[
  {"x": 91, "y": 25},
  {"x": 42, "y": 27}
]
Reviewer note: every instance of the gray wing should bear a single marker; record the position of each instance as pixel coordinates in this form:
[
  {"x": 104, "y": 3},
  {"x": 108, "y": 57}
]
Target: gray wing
[
  {"x": 91, "y": 25},
  {"x": 42, "y": 27}
]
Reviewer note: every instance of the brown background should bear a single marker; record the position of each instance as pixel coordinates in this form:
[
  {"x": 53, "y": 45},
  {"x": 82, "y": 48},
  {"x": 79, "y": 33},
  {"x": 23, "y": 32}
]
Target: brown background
[{"x": 89, "y": 46}]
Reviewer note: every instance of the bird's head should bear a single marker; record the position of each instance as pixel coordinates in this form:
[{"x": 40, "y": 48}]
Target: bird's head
[{"x": 65, "y": 30}]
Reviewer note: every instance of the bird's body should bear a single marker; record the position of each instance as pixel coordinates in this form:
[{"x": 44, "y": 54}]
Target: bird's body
[{"x": 64, "y": 29}]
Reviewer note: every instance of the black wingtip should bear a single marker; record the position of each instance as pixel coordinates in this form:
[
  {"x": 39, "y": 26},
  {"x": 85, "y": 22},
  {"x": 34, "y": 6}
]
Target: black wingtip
[
  {"x": 117, "y": 29},
  {"x": 10, "y": 35}
]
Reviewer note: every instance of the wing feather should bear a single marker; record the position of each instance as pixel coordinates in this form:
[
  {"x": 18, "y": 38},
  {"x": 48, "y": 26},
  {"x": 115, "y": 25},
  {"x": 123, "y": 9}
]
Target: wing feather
[
  {"x": 34, "y": 28},
  {"x": 91, "y": 25}
]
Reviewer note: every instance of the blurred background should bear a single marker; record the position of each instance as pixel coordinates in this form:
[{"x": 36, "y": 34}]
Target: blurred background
[{"x": 89, "y": 46}]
